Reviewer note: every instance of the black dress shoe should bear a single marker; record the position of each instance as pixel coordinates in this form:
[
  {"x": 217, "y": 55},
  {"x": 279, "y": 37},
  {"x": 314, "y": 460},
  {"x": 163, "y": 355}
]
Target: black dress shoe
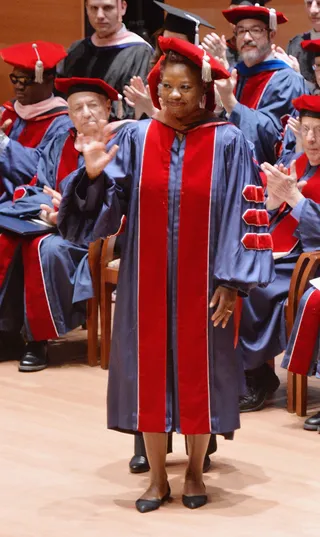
[
  {"x": 312, "y": 423},
  {"x": 206, "y": 464},
  {"x": 145, "y": 506},
  {"x": 194, "y": 502},
  {"x": 35, "y": 358},
  {"x": 261, "y": 382},
  {"x": 139, "y": 464}
]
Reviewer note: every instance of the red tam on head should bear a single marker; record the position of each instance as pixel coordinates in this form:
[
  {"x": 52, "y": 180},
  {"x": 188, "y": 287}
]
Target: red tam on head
[
  {"x": 307, "y": 102},
  {"x": 37, "y": 56},
  {"x": 270, "y": 16},
  {"x": 68, "y": 86}
]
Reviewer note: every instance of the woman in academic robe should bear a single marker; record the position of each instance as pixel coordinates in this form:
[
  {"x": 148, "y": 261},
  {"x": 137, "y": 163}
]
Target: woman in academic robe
[{"x": 196, "y": 238}]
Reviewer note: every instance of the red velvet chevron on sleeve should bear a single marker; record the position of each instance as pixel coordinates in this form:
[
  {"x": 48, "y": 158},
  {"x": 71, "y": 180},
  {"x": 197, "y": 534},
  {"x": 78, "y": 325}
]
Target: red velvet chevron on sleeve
[
  {"x": 255, "y": 241},
  {"x": 254, "y": 194},
  {"x": 254, "y": 217}
]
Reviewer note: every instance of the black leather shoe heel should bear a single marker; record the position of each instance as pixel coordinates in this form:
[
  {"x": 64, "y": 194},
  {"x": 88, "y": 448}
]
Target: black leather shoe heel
[
  {"x": 139, "y": 464},
  {"x": 35, "y": 358},
  {"x": 312, "y": 423},
  {"x": 194, "y": 502},
  {"x": 145, "y": 506}
]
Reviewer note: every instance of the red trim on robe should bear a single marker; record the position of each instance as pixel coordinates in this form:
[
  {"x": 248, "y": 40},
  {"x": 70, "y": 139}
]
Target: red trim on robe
[
  {"x": 69, "y": 159},
  {"x": 19, "y": 193},
  {"x": 254, "y": 194},
  {"x": 37, "y": 307},
  {"x": 254, "y": 88},
  {"x": 283, "y": 233},
  {"x": 254, "y": 241},
  {"x": 8, "y": 246},
  {"x": 152, "y": 284},
  {"x": 254, "y": 217},
  {"x": 306, "y": 337},
  {"x": 193, "y": 286}
]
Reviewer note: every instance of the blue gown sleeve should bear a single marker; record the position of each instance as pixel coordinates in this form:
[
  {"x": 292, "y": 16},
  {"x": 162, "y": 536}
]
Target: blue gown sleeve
[
  {"x": 264, "y": 127},
  {"x": 19, "y": 164},
  {"x": 94, "y": 208},
  {"x": 308, "y": 230},
  {"x": 239, "y": 264}
]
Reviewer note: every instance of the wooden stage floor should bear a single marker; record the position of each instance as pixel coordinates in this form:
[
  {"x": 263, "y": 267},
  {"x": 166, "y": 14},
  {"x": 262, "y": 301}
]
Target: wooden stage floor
[{"x": 62, "y": 474}]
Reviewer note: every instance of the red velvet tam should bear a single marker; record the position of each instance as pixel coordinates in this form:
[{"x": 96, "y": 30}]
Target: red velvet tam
[
  {"x": 270, "y": 16},
  {"x": 27, "y": 55},
  {"x": 68, "y": 86},
  {"x": 311, "y": 45},
  {"x": 197, "y": 56},
  {"x": 307, "y": 102}
]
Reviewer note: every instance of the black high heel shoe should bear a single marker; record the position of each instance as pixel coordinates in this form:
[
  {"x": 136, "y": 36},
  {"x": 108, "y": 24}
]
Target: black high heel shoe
[{"x": 145, "y": 506}]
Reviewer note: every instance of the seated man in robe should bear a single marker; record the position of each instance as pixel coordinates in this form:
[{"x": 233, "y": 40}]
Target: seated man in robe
[
  {"x": 45, "y": 280},
  {"x": 302, "y": 354},
  {"x": 34, "y": 117},
  {"x": 293, "y": 198}
]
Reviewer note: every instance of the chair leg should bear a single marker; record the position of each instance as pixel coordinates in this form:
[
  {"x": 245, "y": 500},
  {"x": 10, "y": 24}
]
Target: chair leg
[
  {"x": 92, "y": 327},
  {"x": 301, "y": 395},
  {"x": 105, "y": 316},
  {"x": 291, "y": 392}
]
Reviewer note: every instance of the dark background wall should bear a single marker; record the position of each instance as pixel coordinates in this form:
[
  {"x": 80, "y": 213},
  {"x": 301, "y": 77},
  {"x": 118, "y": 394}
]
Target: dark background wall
[{"x": 63, "y": 21}]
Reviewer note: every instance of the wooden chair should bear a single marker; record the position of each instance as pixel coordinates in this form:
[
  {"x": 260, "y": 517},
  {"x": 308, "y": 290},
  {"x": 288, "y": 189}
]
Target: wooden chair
[
  {"x": 94, "y": 256},
  {"x": 297, "y": 385},
  {"x": 109, "y": 278}
]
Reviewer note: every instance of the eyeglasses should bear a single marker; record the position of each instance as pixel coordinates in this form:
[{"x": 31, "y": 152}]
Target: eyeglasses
[
  {"x": 315, "y": 131},
  {"x": 22, "y": 80},
  {"x": 255, "y": 32}
]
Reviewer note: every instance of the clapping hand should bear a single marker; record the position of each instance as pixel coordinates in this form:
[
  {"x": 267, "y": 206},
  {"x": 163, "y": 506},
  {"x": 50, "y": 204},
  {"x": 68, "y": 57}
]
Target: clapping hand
[
  {"x": 5, "y": 124},
  {"x": 295, "y": 126},
  {"x": 94, "y": 149},
  {"x": 50, "y": 214},
  {"x": 217, "y": 47},
  {"x": 282, "y": 185},
  {"x": 280, "y": 54},
  {"x": 138, "y": 96}
]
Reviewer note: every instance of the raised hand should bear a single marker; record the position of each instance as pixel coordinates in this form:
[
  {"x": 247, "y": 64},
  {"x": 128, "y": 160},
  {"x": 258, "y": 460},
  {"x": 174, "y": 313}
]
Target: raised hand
[
  {"x": 280, "y": 54},
  {"x": 94, "y": 150},
  {"x": 225, "y": 88},
  {"x": 4, "y": 125},
  {"x": 138, "y": 96},
  {"x": 216, "y": 46},
  {"x": 225, "y": 300}
]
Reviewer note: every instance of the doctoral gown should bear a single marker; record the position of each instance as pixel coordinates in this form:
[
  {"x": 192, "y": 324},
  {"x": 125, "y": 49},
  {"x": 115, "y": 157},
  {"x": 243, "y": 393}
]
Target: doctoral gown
[
  {"x": 195, "y": 220},
  {"x": 28, "y": 139},
  {"x": 44, "y": 281},
  {"x": 116, "y": 64},
  {"x": 264, "y": 93},
  {"x": 262, "y": 328}
]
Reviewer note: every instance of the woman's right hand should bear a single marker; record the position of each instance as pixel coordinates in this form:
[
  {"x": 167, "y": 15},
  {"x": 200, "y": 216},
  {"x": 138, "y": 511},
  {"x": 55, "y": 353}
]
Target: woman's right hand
[{"x": 94, "y": 149}]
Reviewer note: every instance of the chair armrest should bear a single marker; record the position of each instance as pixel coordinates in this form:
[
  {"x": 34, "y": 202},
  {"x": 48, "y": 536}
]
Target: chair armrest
[{"x": 305, "y": 269}]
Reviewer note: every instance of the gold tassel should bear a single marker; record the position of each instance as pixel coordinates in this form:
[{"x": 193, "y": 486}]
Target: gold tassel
[
  {"x": 38, "y": 67},
  {"x": 206, "y": 68}
]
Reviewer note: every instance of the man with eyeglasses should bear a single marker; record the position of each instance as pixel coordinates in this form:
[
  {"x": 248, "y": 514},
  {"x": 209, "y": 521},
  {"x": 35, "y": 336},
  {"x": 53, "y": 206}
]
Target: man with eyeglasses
[
  {"x": 258, "y": 96},
  {"x": 34, "y": 117},
  {"x": 45, "y": 280},
  {"x": 294, "y": 204},
  {"x": 305, "y": 57},
  {"x": 111, "y": 53}
]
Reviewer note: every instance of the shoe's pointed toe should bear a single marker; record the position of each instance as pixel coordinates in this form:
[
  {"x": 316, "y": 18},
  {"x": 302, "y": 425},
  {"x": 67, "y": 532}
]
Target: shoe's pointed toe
[
  {"x": 194, "y": 502},
  {"x": 146, "y": 506}
]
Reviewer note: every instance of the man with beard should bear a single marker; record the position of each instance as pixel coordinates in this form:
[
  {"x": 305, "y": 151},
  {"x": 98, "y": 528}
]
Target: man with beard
[
  {"x": 34, "y": 117},
  {"x": 111, "y": 53},
  {"x": 304, "y": 56},
  {"x": 45, "y": 280},
  {"x": 258, "y": 96}
]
